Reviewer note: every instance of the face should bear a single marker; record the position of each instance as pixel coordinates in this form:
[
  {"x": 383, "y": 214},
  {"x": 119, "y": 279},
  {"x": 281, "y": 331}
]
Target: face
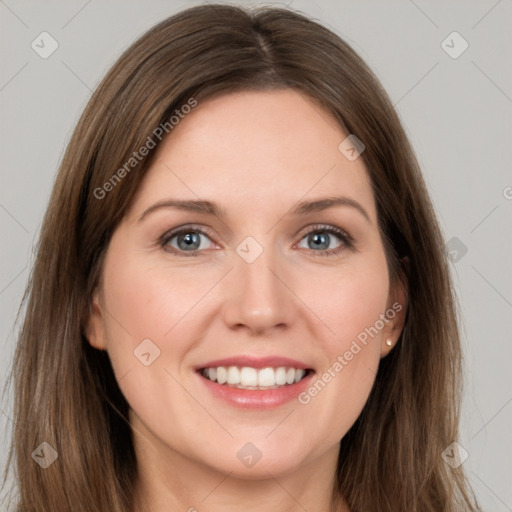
[{"x": 247, "y": 340}]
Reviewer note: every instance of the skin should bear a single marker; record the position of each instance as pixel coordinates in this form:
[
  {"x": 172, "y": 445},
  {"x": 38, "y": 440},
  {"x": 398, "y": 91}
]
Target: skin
[{"x": 256, "y": 154}]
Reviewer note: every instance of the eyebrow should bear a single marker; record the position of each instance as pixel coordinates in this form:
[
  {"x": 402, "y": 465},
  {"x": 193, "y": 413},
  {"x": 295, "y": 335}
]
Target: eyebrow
[{"x": 211, "y": 208}]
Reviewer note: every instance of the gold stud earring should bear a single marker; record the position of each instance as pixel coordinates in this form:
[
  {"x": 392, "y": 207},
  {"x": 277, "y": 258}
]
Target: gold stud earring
[{"x": 389, "y": 342}]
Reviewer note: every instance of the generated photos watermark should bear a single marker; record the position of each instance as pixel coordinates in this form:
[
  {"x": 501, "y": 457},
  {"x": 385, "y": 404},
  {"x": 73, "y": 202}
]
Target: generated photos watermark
[
  {"x": 343, "y": 360},
  {"x": 137, "y": 156}
]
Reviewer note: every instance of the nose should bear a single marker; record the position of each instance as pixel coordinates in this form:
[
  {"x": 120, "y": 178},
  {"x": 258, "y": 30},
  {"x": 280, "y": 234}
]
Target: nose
[{"x": 258, "y": 297}]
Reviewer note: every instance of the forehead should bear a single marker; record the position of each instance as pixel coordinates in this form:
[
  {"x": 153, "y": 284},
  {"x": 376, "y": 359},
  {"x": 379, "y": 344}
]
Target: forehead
[{"x": 259, "y": 149}]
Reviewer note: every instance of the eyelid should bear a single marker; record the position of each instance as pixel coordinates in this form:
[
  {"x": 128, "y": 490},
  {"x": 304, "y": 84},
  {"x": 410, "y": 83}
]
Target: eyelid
[{"x": 330, "y": 228}]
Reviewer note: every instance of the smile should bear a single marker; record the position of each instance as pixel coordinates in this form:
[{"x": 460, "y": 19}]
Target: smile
[
  {"x": 250, "y": 378},
  {"x": 251, "y": 382}
]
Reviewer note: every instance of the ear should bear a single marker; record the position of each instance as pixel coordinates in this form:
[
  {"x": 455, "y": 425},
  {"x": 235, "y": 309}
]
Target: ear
[
  {"x": 95, "y": 324},
  {"x": 395, "y": 314}
]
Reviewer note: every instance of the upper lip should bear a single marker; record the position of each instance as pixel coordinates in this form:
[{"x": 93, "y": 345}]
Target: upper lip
[{"x": 256, "y": 362}]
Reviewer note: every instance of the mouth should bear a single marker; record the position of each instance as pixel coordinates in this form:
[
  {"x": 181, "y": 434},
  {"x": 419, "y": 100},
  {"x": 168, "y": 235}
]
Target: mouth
[{"x": 250, "y": 382}]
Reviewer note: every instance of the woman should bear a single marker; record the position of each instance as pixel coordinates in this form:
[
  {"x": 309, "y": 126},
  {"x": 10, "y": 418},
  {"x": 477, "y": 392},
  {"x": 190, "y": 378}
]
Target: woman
[{"x": 240, "y": 297}]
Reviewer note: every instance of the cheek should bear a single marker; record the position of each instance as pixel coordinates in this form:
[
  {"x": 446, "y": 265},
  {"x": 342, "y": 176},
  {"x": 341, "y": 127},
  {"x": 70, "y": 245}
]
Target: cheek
[
  {"x": 360, "y": 302},
  {"x": 149, "y": 333},
  {"x": 148, "y": 302},
  {"x": 351, "y": 301},
  {"x": 142, "y": 305},
  {"x": 352, "y": 309},
  {"x": 156, "y": 316}
]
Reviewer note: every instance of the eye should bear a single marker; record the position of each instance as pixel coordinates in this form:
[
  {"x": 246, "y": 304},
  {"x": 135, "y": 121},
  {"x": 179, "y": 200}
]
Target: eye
[
  {"x": 187, "y": 240},
  {"x": 184, "y": 240},
  {"x": 319, "y": 239}
]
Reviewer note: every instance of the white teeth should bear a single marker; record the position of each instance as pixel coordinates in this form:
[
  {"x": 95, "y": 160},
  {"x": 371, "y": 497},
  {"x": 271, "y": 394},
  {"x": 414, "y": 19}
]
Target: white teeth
[
  {"x": 252, "y": 378},
  {"x": 249, "y": 376},
  {"x": 222, "y": 375},
  {"x": 281, "y": 376},
  {"x": 233, "y": 375},
  {"x": 267, "y": 377}
]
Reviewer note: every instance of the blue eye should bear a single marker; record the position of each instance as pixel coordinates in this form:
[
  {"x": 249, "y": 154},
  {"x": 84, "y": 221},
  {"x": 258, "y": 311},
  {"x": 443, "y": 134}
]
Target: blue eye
[
  {"x": 187, "y": 241},
  {"x": 320, "y": 236}
]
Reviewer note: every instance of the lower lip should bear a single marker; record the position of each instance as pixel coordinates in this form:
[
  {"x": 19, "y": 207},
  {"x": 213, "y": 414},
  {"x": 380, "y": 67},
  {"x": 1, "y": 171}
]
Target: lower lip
[{"x": 256, "y": 399}]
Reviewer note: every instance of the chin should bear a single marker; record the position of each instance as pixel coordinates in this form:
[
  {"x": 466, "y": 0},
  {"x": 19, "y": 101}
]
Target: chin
[{"x": 257, "y": 459}]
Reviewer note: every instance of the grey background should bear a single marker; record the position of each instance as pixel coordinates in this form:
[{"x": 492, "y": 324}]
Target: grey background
[{"x": 456, "y": 112}]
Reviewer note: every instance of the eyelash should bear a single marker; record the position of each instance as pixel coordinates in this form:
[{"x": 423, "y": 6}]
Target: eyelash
[{"x": 345, "y": 238}]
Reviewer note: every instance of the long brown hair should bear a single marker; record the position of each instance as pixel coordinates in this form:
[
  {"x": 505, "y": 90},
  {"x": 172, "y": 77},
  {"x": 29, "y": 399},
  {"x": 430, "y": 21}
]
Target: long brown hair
[{"x": 65, "y": 392}]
